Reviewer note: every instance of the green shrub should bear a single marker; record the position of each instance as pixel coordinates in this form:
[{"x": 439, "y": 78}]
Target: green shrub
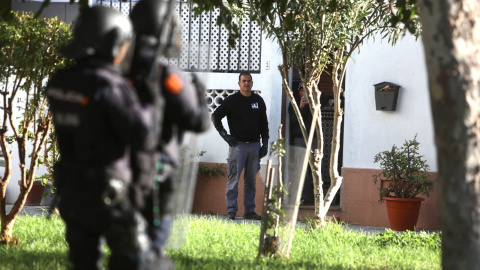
[{"x": 407, "y": 170}]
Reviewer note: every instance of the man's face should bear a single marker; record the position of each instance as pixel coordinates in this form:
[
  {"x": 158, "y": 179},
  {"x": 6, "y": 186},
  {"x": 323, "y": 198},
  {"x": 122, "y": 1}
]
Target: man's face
[
  {"x": 245, "y": 83},
  {"x": 300, "y": 92}
]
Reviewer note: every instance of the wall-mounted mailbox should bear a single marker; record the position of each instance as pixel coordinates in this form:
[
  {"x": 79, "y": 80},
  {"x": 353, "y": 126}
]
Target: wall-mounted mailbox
[{"x": 386, "y": 95}]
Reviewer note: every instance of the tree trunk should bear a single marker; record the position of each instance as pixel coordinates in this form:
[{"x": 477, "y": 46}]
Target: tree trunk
[
  {"x": 27, "y": 178},
  {"x": 451, "y": 36},
  {"x": 8, "y": 220},
  {"x": 6, "y": 229},
  {"x": 315, "y": 163},
  {"x": 335, "y": 178}
]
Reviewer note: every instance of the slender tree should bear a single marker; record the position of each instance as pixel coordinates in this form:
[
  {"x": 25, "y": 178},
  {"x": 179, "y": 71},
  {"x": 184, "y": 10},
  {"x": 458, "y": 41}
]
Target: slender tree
[{"x": 29, "y": 55}]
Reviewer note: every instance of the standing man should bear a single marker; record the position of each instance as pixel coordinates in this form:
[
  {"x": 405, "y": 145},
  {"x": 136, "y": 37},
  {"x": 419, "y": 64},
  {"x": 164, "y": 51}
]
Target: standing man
[
  {"x": 247, "y": 120},
  {"x": 98, "y": 120}
]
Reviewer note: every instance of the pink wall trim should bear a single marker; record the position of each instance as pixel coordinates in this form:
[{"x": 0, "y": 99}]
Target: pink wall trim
[
  {"x": 359, "y": 201},
  {"x": 209, "y": 197}
]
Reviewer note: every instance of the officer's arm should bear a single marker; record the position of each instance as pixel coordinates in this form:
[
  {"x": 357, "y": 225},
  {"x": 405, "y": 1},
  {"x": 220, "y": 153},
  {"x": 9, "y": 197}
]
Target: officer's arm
[
  {"x": 185, "y": 101},
  {"x": 201, "y": 121},
  {"x": 132, "y": 122}
]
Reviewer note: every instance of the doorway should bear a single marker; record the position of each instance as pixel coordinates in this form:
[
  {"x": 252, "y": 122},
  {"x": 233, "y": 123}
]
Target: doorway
[{"x": 327, "y": 110}]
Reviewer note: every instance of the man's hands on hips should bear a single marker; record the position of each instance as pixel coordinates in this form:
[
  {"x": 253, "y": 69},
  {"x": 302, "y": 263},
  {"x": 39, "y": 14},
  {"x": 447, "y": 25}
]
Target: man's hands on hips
[
  {"x": 263, "y": 151},
  {"x": 232, "y": 142}
]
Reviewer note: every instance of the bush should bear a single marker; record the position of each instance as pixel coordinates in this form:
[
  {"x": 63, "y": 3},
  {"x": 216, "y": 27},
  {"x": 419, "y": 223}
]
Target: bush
[{"x": 406, "y": 169}]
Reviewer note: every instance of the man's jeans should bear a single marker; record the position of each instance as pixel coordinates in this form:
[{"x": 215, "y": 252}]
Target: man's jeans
[{"x": 243, "y": 156}]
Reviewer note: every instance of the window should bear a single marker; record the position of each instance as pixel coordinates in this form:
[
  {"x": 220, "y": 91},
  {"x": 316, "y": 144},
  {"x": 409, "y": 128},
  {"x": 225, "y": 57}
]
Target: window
[
  {"x": 215, "y": 97},
  {"x": 205, "y": 47}
]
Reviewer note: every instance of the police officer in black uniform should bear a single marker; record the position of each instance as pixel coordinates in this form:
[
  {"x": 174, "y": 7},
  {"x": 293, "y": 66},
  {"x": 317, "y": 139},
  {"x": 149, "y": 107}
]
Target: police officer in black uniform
[
  {"x": 98, "y": 121},
  {"x": 158, "y": 33}
]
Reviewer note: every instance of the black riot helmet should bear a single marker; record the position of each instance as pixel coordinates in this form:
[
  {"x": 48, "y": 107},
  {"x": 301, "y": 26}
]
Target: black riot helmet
[
  {"x": 156, "y": 25},
  {"x": 99, "y": 31}
]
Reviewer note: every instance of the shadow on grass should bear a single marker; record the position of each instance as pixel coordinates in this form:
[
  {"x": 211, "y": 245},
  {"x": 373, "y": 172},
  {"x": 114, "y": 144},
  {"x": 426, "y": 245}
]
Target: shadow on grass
[
  {"x": 17, "y": 258},
  {"x": 186, "y": 262},
  {"x": 23, "y": 259}
]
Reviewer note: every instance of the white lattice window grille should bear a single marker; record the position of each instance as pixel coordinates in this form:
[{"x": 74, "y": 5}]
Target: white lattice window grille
[
  {"x": 123, "y": 6},
  {"x": 205, "y": 47},
  {"x": 216, "y": 96}
]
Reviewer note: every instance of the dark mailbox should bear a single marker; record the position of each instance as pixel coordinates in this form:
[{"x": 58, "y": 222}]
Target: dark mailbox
[{"x": 386, "y": 95}]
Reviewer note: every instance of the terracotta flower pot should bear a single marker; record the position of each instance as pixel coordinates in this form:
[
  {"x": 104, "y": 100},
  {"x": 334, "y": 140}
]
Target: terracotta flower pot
[
  {"x": 403, "y": 213},
  {"x": 35, "y": 195}
]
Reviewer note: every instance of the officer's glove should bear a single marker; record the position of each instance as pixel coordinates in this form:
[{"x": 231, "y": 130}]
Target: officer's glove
[
  {"x": 115, "y": 192},
  {"x": 263, "y": 151},
  {"x": 232, "y": 142}
]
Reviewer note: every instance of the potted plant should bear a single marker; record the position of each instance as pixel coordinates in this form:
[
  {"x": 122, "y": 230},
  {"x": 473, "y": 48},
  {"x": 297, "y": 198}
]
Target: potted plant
[{"x": 405, "y": 174}]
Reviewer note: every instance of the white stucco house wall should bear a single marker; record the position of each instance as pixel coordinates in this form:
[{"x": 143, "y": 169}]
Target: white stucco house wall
[{"x": 368, "y": 131}]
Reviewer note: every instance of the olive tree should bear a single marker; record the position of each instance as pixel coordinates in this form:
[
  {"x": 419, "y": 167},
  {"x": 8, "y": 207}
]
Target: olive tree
[
  {"x": 28, "y": 57},
  {"x": 316, "y": 36}
]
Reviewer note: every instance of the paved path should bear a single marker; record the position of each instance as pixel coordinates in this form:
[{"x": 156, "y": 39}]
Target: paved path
[
  {"x": 30, "y": 210},
  {"x": 358, "y": 228}
]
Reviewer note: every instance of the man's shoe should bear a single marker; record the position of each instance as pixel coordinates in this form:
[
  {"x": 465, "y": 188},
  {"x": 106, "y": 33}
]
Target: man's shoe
[
  {"x": 231, "y": 215},
  {"x": 252, "y": 215}
]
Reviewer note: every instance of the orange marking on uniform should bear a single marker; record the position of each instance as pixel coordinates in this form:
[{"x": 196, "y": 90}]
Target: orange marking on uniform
[
  {"x": 84, "y": 101},
  {"x": 173, "y": 84}
]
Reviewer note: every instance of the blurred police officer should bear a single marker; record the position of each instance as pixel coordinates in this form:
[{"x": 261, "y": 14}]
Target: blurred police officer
[
  {"x": 98, "y": 120},
  {"x": 158, "y": 33}
]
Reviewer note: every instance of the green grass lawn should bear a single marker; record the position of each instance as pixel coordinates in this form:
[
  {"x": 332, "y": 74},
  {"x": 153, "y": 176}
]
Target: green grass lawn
[{"x": 215, "y": 243}]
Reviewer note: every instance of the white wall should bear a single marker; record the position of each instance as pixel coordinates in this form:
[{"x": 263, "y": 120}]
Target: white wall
[{"x": 368, "y": 131}]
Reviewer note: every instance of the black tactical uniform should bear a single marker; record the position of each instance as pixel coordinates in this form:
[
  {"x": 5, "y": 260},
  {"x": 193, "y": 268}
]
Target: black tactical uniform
[
  {"x": 185, "y": 106},
  {"x": 185, "y": 110},
  {"x": 98, "y": 120}
]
